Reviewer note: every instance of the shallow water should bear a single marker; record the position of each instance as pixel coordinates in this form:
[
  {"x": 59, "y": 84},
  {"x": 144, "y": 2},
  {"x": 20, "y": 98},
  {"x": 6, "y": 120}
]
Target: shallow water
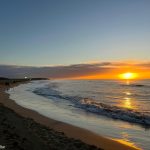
[{"x": 116, "y": 109}]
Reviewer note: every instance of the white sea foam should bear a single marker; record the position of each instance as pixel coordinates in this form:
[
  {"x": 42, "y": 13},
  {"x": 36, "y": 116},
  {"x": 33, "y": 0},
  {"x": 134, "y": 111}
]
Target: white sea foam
[{"x": 92, "y": 106}]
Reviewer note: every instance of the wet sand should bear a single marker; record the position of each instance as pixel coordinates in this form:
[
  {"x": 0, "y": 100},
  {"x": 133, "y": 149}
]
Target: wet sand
[{"x": 36, "y": 129}]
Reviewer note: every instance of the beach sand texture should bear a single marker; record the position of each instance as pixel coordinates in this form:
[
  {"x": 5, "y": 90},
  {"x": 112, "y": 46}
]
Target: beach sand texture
[{"x": 39, "y": 132}]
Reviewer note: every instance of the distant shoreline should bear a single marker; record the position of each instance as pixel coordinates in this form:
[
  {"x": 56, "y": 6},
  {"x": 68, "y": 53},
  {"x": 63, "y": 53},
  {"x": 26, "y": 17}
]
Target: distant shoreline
[{"x": 69, "y": 130}]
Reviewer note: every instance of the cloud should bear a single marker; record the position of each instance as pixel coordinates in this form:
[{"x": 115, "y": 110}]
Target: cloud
[
  {"x": 144, "y": 65},
  {"x": 70, "y": 71}
]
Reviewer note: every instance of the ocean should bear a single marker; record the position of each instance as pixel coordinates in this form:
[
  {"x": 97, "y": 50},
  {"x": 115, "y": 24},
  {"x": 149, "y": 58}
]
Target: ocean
[{"x": 117, "y": 109}]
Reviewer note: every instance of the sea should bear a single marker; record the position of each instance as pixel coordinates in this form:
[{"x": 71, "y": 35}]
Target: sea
[{"x": 117, "y": 109}]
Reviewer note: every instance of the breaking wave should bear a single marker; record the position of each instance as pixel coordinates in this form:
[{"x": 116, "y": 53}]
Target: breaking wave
[
  {"x": 115, "y": 112},
  {"x": 92, "y": 106}
]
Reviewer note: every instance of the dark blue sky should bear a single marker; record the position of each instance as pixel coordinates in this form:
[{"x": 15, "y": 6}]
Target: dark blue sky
[{"x": 52, "y": 32}]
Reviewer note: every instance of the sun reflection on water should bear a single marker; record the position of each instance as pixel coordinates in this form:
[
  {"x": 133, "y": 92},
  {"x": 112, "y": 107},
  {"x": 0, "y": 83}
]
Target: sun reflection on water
[
  {"x": 127, "y": 93},
  {"x": 127, "y": 82},
  {"x": 125, "y": 140},
  {"x": 128, "y": 143},
  {"x": 127, "y": 100},
  {"x": 127, "y": 103}
]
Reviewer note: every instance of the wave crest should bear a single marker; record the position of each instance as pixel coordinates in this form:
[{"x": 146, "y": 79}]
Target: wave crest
[
  {"x": 115, "y": 112},
  {"x": 93, "y": 106}
]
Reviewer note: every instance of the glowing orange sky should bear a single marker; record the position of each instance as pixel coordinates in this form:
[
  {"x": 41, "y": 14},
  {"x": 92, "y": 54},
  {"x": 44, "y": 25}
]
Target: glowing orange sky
[
  {"x": 98, "y": 70},
  {"x": 115, "y": 75},
  {"x": 139, "y": 71}
]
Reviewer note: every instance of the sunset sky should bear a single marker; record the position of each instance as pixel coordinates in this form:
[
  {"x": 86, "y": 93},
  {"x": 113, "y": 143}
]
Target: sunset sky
[{"x": 79, "y": 38}]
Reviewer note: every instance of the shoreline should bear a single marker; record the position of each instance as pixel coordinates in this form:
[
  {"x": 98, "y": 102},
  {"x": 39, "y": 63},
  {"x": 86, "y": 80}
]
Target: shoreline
[{"x": 69, "y": 130}]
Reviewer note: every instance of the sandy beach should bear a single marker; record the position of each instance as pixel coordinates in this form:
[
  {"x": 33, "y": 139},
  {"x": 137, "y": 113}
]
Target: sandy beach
[
  {"x": 27, "y": 129},
  {"x": 75, "y": 75}
]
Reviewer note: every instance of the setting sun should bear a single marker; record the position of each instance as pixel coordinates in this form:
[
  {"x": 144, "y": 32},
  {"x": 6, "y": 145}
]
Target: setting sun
[{"x": 128, "y": 75}]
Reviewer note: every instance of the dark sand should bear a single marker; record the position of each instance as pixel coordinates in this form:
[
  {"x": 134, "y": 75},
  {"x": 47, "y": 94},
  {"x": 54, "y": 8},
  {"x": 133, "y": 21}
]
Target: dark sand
[{"x": 21, "y": 128}]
